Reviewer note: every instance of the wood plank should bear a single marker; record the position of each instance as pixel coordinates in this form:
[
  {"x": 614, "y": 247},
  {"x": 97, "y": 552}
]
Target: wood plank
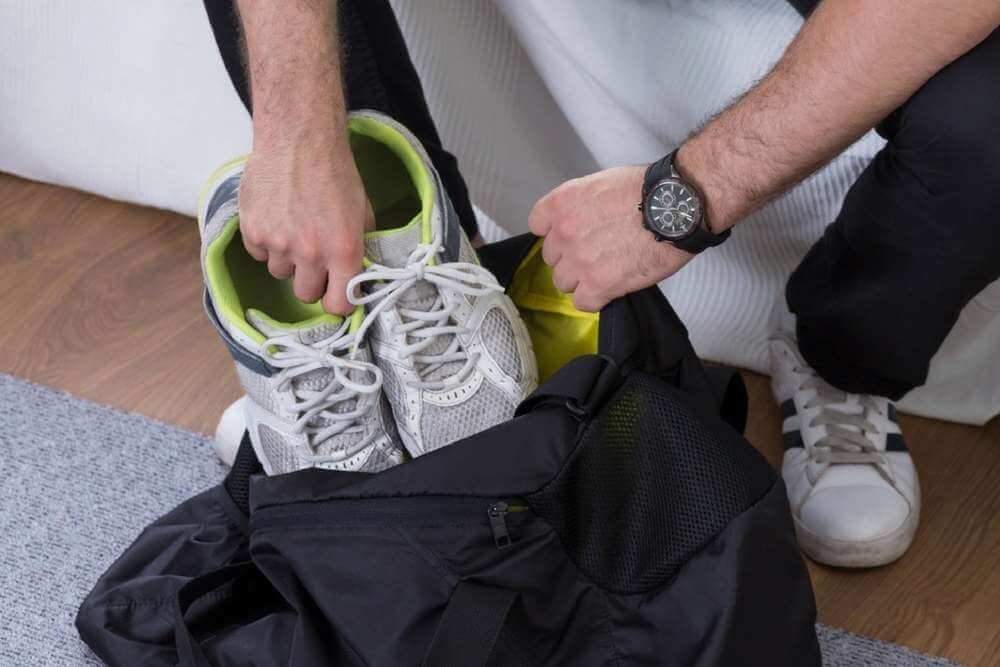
[{"x": 102, "y": 299}]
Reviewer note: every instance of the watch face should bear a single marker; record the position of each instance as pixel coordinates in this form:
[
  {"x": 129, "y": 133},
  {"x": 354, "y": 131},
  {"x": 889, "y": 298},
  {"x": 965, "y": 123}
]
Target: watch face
[{"x": 673, "y": 209}]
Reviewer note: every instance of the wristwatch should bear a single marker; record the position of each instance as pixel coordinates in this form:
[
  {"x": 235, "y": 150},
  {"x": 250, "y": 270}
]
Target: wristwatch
[{"x": 673, "y": 209}]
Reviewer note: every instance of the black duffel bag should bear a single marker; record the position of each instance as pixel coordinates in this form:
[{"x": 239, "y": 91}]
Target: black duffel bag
[{"x": 619, "y": 519}]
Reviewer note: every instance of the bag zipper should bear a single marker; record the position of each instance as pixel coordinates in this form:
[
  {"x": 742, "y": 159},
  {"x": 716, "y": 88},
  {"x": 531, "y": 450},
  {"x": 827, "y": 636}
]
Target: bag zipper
[
  {"x": 365, "y": 511},
  {"x": 497, "y": 514}
]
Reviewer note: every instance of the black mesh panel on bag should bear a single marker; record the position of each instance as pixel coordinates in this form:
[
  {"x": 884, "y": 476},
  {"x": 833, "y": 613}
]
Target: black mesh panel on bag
[{"x": 651, "y": 483}]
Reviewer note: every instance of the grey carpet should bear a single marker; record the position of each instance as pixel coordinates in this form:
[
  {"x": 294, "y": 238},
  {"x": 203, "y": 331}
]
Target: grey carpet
[{"x": 78, "y": 481}]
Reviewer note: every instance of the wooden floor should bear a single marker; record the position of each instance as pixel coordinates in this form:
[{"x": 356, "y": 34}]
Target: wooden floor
[{"x": 102, "y": 299}]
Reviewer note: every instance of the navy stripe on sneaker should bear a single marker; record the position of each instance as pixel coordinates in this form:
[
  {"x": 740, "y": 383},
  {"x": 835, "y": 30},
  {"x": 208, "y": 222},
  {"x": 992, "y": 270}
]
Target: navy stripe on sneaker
[
  {"x": 787, "y": 409},
  {"x": 894, "y": 443},
  {"x": 793, "y": 439},
  {"x": 239, "y": 354}
]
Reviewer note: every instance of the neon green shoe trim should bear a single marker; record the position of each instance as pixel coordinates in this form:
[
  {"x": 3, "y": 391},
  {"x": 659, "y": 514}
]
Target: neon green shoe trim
[
  {"x": 419, "y": 220},
  {"x": 357, "y": 317},
  {"x": 238, "y": 283},
  {"x": 387, "y": 191},
  {"x": 324, "y": 318},
  {"x": 220, "y": 284},
  {"x": 411, "y": 159}
]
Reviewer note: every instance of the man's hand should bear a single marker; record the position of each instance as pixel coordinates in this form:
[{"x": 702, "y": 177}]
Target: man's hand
[
  {"x": 595, "y": 239},
  {"x": 303, "y": 207},
  {"x": 305, "y": 215},
  {"x": 851, "y": 65}
]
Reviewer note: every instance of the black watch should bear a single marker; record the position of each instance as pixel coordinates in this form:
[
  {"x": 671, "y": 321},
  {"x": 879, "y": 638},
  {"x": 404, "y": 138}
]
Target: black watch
[{"x": 673, "y": 209}]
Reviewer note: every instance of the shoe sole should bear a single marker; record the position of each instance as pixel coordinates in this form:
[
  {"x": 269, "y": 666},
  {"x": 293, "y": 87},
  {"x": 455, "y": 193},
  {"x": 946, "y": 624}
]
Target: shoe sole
[
  {"x": 229, "y": 432},
  {"x": 870, "y": 553}
]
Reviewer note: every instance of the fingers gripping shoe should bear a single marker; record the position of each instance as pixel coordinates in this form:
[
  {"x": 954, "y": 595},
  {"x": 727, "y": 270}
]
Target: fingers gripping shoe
[
  {"x": 314, "y": 397},
  {"x": 455, "y": 356},
  {"x": 852, "y": 485}
]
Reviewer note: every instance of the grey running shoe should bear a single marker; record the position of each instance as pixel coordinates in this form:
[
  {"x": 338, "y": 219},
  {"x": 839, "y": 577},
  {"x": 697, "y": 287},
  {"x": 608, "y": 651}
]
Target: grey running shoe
[
  {"x": 314, "y": 397},
  {"x": 455, "y": 355}
]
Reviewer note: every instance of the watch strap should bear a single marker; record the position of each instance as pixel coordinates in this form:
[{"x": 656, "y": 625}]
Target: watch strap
[{"x": 701, "y": 237}]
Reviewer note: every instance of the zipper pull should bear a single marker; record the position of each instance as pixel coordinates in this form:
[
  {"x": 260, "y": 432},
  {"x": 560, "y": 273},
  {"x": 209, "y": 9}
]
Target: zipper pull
[{"x": 498, "y": 522}]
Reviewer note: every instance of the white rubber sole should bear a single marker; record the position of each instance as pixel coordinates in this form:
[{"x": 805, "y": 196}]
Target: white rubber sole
[
  {"x": 229, "y": 432},
  {"x": 871, "y": 553}
]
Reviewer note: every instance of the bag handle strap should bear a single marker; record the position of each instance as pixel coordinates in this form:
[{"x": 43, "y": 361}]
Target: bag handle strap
[
  {"x": 730, "y": 394},
  {"x": 503, "y": 258},
  {"x": 466, "y": 635},
  {"x": 581, "y": 386},
  {"x": 470, "y": 626},
  {"x": 189, "y": 652},
  {"x": 237, "y": 482}
]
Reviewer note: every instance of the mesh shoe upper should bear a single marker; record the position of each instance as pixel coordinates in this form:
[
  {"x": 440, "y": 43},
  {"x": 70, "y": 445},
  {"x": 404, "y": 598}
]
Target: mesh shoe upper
[
  {"x": 455, "y": 354},
  {"x": 328, "y": 423}
]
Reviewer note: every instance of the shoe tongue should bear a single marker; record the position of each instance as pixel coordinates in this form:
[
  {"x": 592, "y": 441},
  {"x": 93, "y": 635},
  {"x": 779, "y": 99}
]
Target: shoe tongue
[
  {"x": 393, "y": 247},
  {"x": 307, "y": 332}
]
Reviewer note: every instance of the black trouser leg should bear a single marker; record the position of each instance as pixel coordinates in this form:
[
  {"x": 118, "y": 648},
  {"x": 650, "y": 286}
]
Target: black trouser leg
[
  {"x": 378, "y": 74},
  {"x": 918, "y": 236}
]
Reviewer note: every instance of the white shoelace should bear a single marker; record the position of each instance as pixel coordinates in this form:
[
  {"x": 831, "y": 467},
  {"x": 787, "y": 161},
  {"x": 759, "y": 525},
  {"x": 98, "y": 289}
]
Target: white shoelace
[
  {"x": 423, "y": 327},
  {"x": 846, "y": 425},
  {"x": 296, "y": 359}
]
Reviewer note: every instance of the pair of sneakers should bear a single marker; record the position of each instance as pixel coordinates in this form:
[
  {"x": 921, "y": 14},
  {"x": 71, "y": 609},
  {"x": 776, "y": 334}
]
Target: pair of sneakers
[
  {"x": 852, "y": 485},
  {"x": 434, "y": 352}
]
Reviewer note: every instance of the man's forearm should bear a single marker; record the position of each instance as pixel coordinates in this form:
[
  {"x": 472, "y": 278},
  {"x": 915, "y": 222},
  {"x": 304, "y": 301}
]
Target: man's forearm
[
  {"x": 293, "y": 60},
  {"x": 303, "y": 206},
  {"x": 852, "y": 64}
]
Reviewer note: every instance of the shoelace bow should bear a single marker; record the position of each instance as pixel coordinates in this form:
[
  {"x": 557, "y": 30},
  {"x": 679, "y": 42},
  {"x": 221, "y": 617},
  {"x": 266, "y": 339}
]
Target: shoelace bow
[
  {"x": 420, "y": 326},
  {"x": 846, "y": 429},
  {"x": 296, "y": 359}
]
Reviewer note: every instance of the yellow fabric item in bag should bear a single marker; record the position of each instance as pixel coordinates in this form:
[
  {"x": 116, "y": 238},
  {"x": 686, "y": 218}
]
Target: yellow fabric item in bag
[{"x": 559, "y": 332}]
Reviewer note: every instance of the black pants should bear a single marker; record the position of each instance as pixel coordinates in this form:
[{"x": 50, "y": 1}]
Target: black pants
[
  {"x": 917, "y": 238},
  {"x": 378, "y": 74}
]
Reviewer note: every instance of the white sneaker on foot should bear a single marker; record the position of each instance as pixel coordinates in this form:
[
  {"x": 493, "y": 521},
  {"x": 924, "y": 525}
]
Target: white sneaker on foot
[{"x": 852, "y": 486}]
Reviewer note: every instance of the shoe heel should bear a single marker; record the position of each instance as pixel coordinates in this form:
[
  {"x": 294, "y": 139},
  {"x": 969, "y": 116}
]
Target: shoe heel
[{"x": 215, "y": 179}]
